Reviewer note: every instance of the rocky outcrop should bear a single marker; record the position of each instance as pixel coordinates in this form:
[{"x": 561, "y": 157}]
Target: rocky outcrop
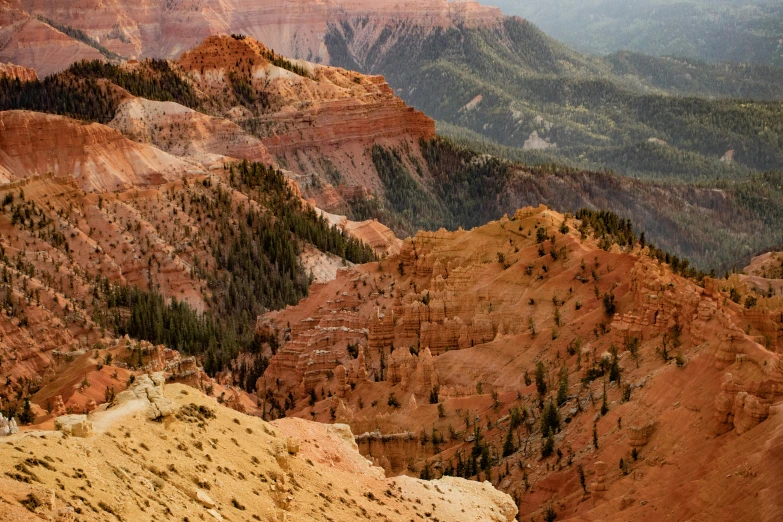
[
  {"x": 17, "y": 72},
  {"x": 381, "y": 332},
  {"x": 148, "y": 388},
  {"x": 74, "y": 425},
  {"x": 659, "y": 305},
  {"x": 8, "y": 426},
  {"x": 393, "y": 452},
  {"x": 639, "y": 436},
  {"x": 97, "y": 157},
  {"x": 598, "y": 488},
  {"x": 745, "y": 405}
]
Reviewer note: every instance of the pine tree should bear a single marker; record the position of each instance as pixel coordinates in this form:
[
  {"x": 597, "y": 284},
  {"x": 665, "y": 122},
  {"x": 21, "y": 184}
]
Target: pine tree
[
  {"x": 540, "y": 378},
  {"x": 562, "y": 392},
  {"x": 548, "y": 446},
  {"x": 508, "y": 445},
  {"x": 27, "y": 416}
]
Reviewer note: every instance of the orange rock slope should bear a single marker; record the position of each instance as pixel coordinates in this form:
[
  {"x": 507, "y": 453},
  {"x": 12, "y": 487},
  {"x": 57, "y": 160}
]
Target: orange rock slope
[
  {"x": 320, "y": 123},
  {"x": 463, "y": 320},
  {"x": 96, "y": 157},
  {"x": 17, "y": 72}
]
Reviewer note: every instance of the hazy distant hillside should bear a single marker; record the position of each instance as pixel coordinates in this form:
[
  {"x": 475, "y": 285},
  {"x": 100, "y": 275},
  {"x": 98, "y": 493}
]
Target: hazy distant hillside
[
  {"x": 635, "y": 114},
  {"x": 715, "y": 30}
]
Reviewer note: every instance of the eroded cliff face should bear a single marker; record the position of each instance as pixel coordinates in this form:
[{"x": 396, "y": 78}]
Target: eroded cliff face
[
  {"x": 154, "y": 28},
  {"x": 319, "y": 122},
  {"x": 428, "y": 355},
  {"x": 419, "y": 351},
  {"x": 97, "y": 157},
  {"x": 181, "y": 131},
  {"x": 26, "y": 40},
  {"x": 17, "y": 72}
]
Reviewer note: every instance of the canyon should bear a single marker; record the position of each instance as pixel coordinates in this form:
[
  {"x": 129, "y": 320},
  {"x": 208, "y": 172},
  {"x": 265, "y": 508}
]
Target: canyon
[
  {"x": 188, "y": 314},
  {"x": 496, "y": 85},
  {"x": 417, "y": 352}
]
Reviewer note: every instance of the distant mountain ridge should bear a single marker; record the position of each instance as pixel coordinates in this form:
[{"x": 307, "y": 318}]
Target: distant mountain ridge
[{"x": 713, "y": 30}]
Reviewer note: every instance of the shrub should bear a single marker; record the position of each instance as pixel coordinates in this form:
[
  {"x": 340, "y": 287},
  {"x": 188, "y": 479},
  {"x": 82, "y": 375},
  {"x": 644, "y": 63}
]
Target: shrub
[
  {"x": 609, "y": 305},
  {"x": 540, "y": 378},
  {"x": 548, "y": 446},
  {"x": 392, "y": 401}
]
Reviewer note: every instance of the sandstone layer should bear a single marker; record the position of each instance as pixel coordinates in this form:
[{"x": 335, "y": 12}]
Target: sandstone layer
[
  {"x": 28, "y": 41},
  {"x": 293, "y": 27},
  {"x": 320, "y": 124},
  {"x": 97, "y": 157}
]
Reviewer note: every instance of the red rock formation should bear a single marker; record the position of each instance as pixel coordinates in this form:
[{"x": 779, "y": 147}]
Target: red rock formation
[
  {"x": 17, "y": 72},
  {"x": 381, "y": 331},
  {"x": 28, "y": 41},
  {"x": 293, "y": 27},
  {"x": 744, "y": 406},
  {"x": 598, "y": 488},
  {"x": 97, "y": 157},
  {"x": 327, "y": 112},
  {"x": 639, "y": 436}
]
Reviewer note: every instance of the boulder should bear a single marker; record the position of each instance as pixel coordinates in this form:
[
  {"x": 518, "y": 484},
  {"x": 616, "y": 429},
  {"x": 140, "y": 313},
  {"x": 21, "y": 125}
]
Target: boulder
[{"x": 75, "y": 425}]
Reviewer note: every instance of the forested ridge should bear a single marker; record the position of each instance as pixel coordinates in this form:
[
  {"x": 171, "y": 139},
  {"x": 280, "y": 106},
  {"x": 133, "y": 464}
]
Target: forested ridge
[
  {"x": 88, "y": 90},
  {"x": 637, "y": 115},
  {"x": 717, "y": 226},
  {"x": 81, "y": 36},
  {"x": 252, "y": 266}
]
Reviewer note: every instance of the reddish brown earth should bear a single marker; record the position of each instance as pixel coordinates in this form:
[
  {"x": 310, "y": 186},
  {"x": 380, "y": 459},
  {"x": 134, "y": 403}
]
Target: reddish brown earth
[
  {"x": 325, "y": 121},
  {"x": 97, "y": 157},
  {"x": 706, "y": 425},
  {"x": 26, "y": 40}
]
